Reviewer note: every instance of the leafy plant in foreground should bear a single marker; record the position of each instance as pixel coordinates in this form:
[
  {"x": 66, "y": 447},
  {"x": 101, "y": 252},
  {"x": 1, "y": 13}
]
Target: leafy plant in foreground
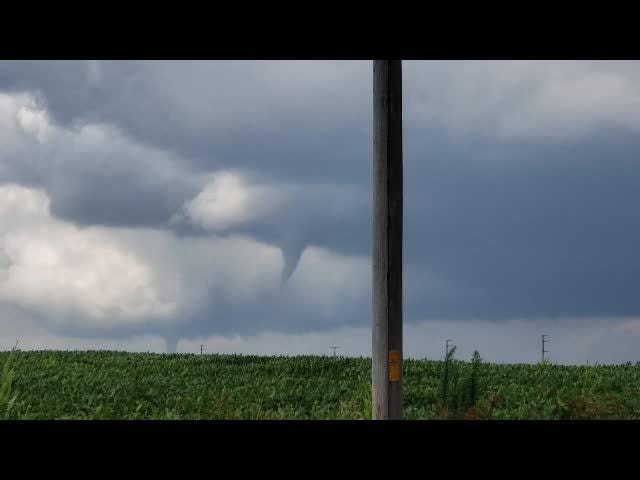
[
  {"x": 471, "y": 386},
  {"x": 120, "y": 385},
  {"x": 445, "y": 384},
  {"x": 6, "y": 382},
  {"x": 459, "y": 393}
]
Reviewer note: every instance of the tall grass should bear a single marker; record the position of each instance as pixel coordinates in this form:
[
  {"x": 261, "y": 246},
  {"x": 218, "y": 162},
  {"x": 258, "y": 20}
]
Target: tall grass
[{"x": 6, "y": 383}]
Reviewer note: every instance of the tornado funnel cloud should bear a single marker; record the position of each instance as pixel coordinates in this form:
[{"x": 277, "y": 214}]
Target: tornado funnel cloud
[
  {"x": 291, "y": 254},
  {"x": 172, "y": 343}
]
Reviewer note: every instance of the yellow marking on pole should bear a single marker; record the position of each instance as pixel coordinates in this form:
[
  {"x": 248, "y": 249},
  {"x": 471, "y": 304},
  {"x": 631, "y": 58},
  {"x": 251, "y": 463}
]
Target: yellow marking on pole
[{"x": 394, "y": 366}]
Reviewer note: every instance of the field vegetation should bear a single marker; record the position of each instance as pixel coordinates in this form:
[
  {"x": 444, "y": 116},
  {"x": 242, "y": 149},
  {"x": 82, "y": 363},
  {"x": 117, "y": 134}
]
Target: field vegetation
[{"x": 116, "y": 385}]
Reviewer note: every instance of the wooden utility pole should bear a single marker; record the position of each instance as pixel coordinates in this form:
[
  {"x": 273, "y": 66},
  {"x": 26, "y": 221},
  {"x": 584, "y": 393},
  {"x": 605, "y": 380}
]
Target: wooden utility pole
[{"x": 387, "y": 395}]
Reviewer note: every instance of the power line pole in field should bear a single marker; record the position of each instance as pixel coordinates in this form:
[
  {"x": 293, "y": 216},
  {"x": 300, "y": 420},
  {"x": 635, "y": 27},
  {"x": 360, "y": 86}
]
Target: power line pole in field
[
  {"x": 387, "y": 393},
  {"x": 544, "y": 341},
  {"x": 448, "y": 344}
]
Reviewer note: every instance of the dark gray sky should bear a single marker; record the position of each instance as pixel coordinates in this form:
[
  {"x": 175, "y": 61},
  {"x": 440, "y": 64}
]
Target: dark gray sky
[{"x": 229, "y": 203}]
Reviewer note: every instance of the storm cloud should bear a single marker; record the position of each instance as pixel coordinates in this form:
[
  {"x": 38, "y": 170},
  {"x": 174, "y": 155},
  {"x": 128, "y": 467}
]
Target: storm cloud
[{"x": 234, "y": 198}]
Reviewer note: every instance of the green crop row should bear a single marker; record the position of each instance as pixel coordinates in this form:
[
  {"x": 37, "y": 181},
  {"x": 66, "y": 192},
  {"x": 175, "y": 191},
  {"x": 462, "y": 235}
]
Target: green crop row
[{"x": 115, "y": 385}]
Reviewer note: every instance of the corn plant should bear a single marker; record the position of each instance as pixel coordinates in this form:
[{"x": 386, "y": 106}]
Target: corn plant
[
  {"x": 6, "y": 382},
  {"x": 470, "y": 388},
  {"x": 459, "y": 393},
  {"x": 447, "y": 373},
  {"x": 120, "y": 385}
]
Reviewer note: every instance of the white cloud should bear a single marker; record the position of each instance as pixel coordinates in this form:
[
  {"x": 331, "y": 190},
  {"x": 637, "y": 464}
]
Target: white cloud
[
  {"x": 230, "y": 199},
  {"x": 104, "y": 278},
  {"x": 22, "y": 127},
  {"x": 227, "y": 201},
  {"x": 33, "y": 147},
  {"x": 62, "y": 270},
  {"x": 34, "y": 121},
  {"x": 100, "y": 278}
]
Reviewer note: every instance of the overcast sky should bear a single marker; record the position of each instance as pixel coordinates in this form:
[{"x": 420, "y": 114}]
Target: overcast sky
[{"x": 163, "y": 205}]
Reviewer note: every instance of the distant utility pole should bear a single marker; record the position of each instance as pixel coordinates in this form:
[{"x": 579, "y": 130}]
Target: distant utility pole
[
  {"x": 386, "y": 368},
  {"x": 334, "y": 350},
  {"x": 544, "y": 341},
  {"x": 201, "y": 347},
  {"x": 447, "y": 345}
]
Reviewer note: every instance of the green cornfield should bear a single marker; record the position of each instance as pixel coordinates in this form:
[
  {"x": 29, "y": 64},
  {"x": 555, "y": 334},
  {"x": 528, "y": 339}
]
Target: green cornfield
[{"x": 116, "y": 385}]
